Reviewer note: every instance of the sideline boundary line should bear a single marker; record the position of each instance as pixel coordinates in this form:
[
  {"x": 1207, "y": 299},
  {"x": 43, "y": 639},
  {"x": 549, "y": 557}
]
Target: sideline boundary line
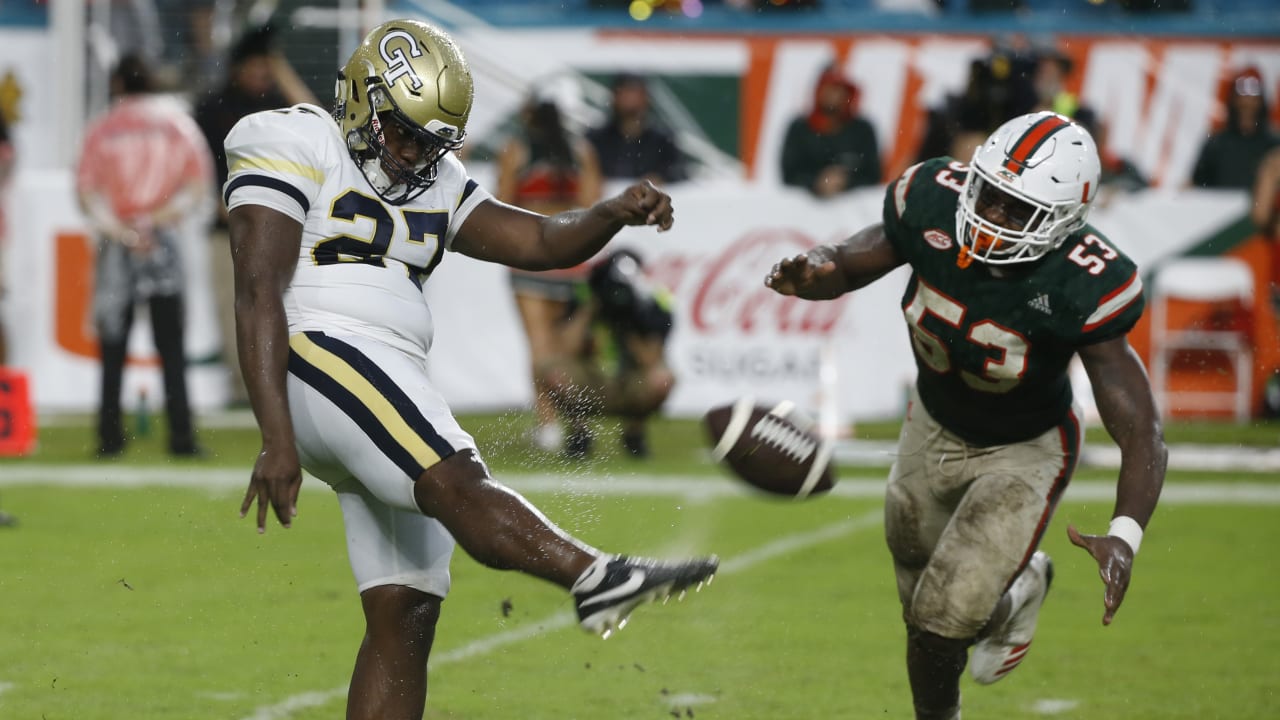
[{"x": 692, "y": 488}]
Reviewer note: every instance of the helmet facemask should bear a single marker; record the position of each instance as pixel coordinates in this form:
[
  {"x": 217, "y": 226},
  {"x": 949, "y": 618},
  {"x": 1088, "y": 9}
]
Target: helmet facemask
[
  {"x": 393, "y": 180},
  {"x": 1029, "y": 230}
]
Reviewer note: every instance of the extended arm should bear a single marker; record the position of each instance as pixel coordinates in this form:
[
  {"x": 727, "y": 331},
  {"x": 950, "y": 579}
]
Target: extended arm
[
  {"x": 501, "y": 233},
  {"x": 829, "y": 271},
  {"x": 264, "y": 252},
  {"x": 1129, "y": 413}
]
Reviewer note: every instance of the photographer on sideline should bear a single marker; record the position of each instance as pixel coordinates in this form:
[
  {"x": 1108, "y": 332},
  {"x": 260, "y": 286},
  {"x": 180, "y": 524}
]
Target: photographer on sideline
[{"x": 619, "y": 368}]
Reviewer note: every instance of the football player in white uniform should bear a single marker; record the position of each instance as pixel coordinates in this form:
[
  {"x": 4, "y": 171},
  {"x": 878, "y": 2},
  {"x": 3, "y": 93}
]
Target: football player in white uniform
[{"x": 336, "y": 222}]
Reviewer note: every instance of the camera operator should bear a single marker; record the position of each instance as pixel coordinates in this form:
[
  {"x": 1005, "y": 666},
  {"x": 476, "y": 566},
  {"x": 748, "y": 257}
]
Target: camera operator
[{"x": 619, "y": 369}]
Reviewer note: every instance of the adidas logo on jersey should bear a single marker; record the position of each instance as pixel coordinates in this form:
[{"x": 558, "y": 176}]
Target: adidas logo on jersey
[{"x": 1041, "y": 303}]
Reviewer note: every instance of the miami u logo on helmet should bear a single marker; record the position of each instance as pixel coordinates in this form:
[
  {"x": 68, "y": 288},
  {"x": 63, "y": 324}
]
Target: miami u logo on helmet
[{"x": 397, "y": 64}]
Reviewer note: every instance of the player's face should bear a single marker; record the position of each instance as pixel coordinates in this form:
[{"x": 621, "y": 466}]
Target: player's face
[
  {"x": 410, "y": 151},
  {"x": 1001, "y": 208}
]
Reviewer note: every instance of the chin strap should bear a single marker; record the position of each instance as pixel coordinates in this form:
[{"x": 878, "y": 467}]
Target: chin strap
[{"x": 376, "y": 176}]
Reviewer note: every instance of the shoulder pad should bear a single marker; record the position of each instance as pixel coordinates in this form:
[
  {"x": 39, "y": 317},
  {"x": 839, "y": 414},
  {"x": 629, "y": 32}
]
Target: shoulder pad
[{"x": 1105, "y": 283}]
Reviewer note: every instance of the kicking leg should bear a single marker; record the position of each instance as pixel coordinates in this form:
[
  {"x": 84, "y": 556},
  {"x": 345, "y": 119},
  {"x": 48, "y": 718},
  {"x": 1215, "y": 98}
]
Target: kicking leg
[
  {"x": 502, "y": 530},
  {"x": 495, "y": 525},
  {"x": 390, "y": 677}
]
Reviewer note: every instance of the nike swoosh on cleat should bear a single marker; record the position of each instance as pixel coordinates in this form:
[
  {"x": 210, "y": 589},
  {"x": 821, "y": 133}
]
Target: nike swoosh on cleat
[{"x": 633, "y": 583}]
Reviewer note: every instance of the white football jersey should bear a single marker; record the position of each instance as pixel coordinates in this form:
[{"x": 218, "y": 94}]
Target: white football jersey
[{"x": 363, "y": 262}]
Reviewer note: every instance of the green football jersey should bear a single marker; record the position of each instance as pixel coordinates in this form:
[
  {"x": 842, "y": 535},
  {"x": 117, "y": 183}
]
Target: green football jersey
[{"x": 992, "y": 350}]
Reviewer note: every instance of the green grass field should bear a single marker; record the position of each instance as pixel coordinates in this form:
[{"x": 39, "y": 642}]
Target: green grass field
[{"x": 132, "y": 591}]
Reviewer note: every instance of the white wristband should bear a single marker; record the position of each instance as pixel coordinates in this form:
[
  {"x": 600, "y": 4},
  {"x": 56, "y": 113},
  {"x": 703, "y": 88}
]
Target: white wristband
[{"x": 1127, "y": 529}]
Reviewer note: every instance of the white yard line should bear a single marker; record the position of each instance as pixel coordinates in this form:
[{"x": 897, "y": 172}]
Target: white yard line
[
  {"x": 557, "y": 621},
  {"x": 688, "y": 487},
  {"x": 1054, "y": 706}
]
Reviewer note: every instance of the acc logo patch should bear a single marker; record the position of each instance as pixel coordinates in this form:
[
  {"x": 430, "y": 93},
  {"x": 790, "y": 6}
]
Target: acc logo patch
[{"x": 938, "y": 239}]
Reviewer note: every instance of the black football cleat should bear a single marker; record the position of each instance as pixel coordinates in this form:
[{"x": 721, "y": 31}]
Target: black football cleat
[{"x": 612, "y": 587}]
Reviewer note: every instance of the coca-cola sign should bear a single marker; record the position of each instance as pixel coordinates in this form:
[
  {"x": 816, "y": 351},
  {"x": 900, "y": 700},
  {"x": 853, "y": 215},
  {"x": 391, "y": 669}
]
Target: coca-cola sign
[{"x": 728, "y": 294}]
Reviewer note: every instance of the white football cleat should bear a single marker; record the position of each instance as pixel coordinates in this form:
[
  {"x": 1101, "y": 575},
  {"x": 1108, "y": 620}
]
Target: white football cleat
[{"x": 996, "y": 655}]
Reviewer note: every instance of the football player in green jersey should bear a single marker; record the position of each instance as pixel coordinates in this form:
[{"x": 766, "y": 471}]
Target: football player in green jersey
[{"x": 1008, "y": 284}]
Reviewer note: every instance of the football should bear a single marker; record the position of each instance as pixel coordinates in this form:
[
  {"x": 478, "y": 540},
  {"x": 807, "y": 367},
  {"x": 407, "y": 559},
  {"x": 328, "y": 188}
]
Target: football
[{"x": 771, "y": 448}]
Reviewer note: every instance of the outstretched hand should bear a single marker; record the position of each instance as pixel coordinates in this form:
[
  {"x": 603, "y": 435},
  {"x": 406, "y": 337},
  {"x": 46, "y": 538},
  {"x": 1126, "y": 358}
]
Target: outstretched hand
[
  {"x": 802, "y": 277},
  {"x": 644, "y": 204},
  {"x": 1115, "y": 565},
  {"x": 276, "y": 479}
]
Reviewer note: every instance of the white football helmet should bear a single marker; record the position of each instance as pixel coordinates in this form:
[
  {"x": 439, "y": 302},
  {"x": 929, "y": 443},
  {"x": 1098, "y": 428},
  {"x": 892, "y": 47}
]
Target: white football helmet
[{"x": 1029, "y": 187}]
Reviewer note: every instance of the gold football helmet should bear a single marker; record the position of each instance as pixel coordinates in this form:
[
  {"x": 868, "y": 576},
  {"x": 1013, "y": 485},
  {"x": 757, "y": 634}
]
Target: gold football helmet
[{"x": 412, "y": 74}]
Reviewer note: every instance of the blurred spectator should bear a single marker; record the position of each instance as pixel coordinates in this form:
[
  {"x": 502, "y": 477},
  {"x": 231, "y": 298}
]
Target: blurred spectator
[
  {"x": 1118, "y": 174},
  {"x": 133, "y": 28},
  {"x": 1230, "y": 157},
  {"x": 143, "y": 170},
  {"x": 620, "y": 371},
  {"x": 629, "y": 146},
  {"x": 547, "y": 169},
  {"x": 6, "y": 173},
  {"x": 832, "y": 149},
  {"x": 999, "y": 87},
  {"x": 258, "y": 78},
  {"x": 188, "y": 27},
  {"x": 1052, "y": 68}
]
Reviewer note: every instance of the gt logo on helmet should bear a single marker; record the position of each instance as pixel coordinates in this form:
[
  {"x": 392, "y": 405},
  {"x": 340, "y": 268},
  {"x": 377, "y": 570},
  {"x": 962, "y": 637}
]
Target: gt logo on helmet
[{"x": 397, "y": 64}]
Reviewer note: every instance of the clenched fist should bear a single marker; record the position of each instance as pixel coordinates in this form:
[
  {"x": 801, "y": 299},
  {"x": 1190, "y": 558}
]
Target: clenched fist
[{"x": 643, "y": 204}]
